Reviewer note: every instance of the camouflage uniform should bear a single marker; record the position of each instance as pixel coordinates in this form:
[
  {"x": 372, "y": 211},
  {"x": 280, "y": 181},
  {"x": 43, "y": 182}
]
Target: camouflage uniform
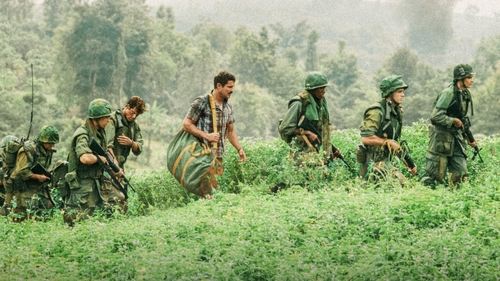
[
  {"x": 303, "y": 109},
  {"x": 447, "y": 145},
  {"x": 119, "y": 125},
  {"x": 88, "y": 187},
  {"x": 30, "y": 194},
  {"x": 383, "y": 119}
]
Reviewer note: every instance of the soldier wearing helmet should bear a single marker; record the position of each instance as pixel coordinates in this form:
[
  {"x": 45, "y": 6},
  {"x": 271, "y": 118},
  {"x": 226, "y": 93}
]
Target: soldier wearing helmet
[
  {"x": 381, "y": 132},
  {"x": 449, "y": 131},
  {"x": 31, "y": 193},
  {"x": 306, "y": 124},
  {"x": 89, "y": 188}
]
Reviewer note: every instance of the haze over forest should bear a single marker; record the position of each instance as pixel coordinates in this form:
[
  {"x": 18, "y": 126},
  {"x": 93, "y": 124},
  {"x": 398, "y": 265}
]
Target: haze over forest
[
  {"x": 168, "y": 52},
  {"x": 444, "y": 32}
]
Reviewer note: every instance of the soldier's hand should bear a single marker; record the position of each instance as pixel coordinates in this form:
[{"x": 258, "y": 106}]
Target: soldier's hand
[
  {"x": 393, "y": 145},
  {"x": 336, "y": 154},
  {"x": 311, "y": 136},
  {"x": 458, "y": 123},
  {"x": 213, "y": 137},
  {"x": 40, "y": 177},
  {"x": 473, "y": 144},
  {"x": 242, "y": 154},
  {"x": 413, "y": 170},
  {"x": 124, "y": 140},
  {"x": 103, "y": 159}
]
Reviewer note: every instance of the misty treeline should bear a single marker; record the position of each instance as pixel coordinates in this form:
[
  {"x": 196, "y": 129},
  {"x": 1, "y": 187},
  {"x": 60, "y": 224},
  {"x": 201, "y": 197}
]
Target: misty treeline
[{"x": 118, "y": 48}]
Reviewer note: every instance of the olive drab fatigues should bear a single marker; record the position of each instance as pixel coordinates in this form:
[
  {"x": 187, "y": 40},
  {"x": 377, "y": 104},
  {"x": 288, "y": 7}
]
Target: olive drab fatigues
[
  {"x": 88, "y": 187},
  {"x": 118, "y": 126},
  {"x": 31, "y": 195},
  {"x": 447, "y": 145},
  {"x": 304, "y": 111},
  {"x": 382, "y": 119}
]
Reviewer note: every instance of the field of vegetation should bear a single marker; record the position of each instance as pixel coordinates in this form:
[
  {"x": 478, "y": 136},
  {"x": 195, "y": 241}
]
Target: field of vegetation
[{"x": 326, "y": 226}]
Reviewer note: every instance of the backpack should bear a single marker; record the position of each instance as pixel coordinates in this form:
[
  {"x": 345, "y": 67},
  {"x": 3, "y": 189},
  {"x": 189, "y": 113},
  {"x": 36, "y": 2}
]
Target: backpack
[
  {"x": 9, "y": 146},
  {"x": 303, "y": 99}
]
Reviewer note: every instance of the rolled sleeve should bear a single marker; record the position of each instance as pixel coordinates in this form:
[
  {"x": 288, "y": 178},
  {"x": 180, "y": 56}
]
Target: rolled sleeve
[
  {"x": 196, "y": 110},
  {"x": 22, "y": 170},
  {"x": 371, "y": 123},
  {"x": 82, "y": 146},
  {"x": 288, "y": 126}
]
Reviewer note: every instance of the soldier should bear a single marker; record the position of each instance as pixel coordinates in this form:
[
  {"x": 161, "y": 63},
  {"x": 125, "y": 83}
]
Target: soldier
[
  {"x": 198, "y": 120},
  {"x": 449, "y": 130},
  {"x": 381, "y": 131},
  {"x": 9, "y": 146},
  {"x": 31, "y": 190},
  {"x": 124, "y": 134},
  {"x": 89, "y": 188},
  {"x": 306, "y": 125}
]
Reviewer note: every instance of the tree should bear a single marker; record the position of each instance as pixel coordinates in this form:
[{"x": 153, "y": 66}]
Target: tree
[
  {"x": 429, "y": 24},
  {"x": 252, "y": 56}
]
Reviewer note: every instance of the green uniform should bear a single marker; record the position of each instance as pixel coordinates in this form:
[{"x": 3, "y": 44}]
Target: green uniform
[
  {"x": 383, "y": 119},
  {"x": 119, "y": 125},
  {"x": 30, "y": 194},
  {"x": 446, "y": 150},
  {"x": 306, "y": 113},
  {"x": 89, "y": 188}
]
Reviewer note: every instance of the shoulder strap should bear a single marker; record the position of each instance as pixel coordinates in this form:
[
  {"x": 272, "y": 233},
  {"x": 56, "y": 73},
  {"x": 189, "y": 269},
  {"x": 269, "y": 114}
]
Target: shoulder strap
[{"x": 214, "y": 117}]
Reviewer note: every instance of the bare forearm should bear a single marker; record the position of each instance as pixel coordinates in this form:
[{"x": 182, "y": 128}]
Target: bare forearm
[
  {"x": 191, "y": 128},
  {"x": 373, "y": 140}
]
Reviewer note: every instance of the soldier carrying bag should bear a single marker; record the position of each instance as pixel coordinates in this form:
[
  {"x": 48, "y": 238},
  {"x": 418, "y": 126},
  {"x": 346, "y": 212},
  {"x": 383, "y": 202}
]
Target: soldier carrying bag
[{"x": 192, "y": 162}]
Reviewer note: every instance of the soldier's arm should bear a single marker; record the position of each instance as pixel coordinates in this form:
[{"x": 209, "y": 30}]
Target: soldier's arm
[
  {"x": 111, "y": 133},
  {"x": 138, "y": 141},
  {"x": 22, "y": 169},
  {"x": 370, "y": 126},
  {"x": 289, "y": 125},
  {"x": 83, "y": 151},
  {"x": 438, "y": 115}
]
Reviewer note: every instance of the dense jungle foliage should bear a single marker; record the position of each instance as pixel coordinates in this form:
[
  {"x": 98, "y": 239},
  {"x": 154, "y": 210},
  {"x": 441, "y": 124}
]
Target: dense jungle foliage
[
  {"x": 326, "y": 226},
  {"x": 84, "y": 49}
]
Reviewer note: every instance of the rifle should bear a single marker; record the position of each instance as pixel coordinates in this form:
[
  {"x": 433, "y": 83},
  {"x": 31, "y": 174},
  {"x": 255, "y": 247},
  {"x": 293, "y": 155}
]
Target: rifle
[
  {"x": 405, "y": 154},
  {"x": 306, "y": 125},
  {"x": 40, "y": 170},
  {"x": 470, "y": 137},
  {"x": 341, "y": 157},
  {"x": 111, "y": 168}
]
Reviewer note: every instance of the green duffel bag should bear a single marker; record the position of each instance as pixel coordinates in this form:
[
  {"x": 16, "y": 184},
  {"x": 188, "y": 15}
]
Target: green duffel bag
[{"x": 192, "y": 163}]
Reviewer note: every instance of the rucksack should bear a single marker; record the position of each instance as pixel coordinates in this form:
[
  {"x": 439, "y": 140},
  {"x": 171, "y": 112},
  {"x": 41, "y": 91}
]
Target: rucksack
[
  {"x": 301, "y": 97},
  {"x": 9, "y": 146}
]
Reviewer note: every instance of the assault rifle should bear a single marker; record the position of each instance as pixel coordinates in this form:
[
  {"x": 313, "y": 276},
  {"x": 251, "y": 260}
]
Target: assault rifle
[
  {"x": 307, "y": 125},
  {"x": 111, "y": 168},
  {"x": 468, "y": 135},
  {"x": 40, "y": 170},
  {"x": 405, "y": 154}
]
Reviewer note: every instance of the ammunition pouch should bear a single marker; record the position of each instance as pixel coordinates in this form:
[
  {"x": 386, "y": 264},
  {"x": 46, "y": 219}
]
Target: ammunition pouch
[{"x": 441, "y": 142}]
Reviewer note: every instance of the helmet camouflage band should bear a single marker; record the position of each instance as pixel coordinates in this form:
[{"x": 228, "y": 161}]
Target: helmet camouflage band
[
  {"x": 99, "y": 108},
  {"x": 462, "y": 71},
  {"x": 390, "y": 84},
  {"x": 315, "y": 80},
  {"x": 48, "y": 134}
]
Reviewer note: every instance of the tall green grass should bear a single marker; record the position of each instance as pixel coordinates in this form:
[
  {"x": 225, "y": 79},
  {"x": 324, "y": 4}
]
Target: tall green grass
[{"x": 336, "y": 228}]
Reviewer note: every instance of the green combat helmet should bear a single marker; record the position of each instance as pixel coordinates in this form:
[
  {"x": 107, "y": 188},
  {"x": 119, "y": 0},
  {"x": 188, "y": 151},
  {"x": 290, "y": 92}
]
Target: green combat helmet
[
  {"x": 390, "y": 84},
  {"x": 462, "y": 71},
  {"x": 99, "y": 108},
  {"x": 48, "y": 134},
  {"x": 315, "y": 80}
]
